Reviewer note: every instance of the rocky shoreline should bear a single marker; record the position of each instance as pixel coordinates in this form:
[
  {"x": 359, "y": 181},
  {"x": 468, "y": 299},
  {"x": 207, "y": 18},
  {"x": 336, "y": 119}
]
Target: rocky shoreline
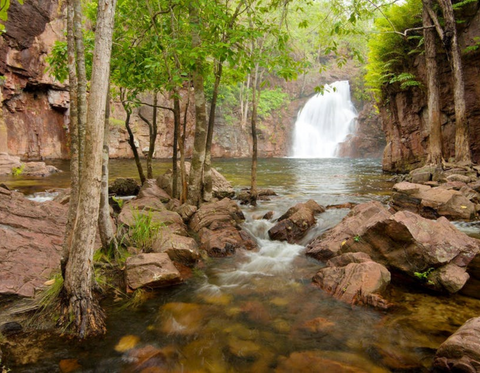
[{"x": 361, "y": 255}]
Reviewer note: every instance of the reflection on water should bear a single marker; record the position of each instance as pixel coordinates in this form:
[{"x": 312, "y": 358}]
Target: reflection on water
[{"x": 258, "y": 312}]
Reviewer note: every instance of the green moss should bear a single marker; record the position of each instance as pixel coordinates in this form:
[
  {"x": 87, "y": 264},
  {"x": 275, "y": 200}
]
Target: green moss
[{"x": 17, "y": 171}]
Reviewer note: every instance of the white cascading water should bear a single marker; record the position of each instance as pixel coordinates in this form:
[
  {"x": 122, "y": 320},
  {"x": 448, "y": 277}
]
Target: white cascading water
[{"x": 324, "y": 122}]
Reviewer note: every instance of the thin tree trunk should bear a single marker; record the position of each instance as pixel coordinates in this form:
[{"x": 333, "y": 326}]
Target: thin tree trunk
[
  {"x": 81, "y": 81},
  {"x": 207, "y": 170},
  {"x": 176, "y": 131},
  {"x": 198, "y": 158},
  {"x": 253, "y": 122},
  {"x": 131, "y": 142},
  {"x": 450, "y": 41},
  {"x": 80, "y": 304},
  {"x": 105, "y": 226},
  {"x": 183, "y": 170},
  {"x": 434, "y": 120},
  {"x": 245, "y": 110},
  {"x": 153, "y": 137},
  {"x": 74, "y": 140}
]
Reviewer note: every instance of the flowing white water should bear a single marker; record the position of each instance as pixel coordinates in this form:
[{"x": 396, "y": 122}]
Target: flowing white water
[
  {"x": 324, "y": 122},
  {"x": 272, "y": 259}
]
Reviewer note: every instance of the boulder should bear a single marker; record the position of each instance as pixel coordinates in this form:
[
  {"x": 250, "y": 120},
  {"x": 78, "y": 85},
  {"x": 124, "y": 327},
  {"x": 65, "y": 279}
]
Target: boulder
[
  {"x": 262, "y": 195},
  {"x": 355, "y": 279},
  {"x": 186, "y": 211},
  {"x": 124, "y": 187},
  {"x": 150, "y": 189},
  {"x": 31, "y": 237},
  {"x": 294, "y": 224},
  {"x": 225, "y": 241},
  {"x": 151, "y": 271},
  {"x": 461, "y": 351},
  {"x": 38, "y": 169},
  {"x": 161, "y": 219},
  {"x": 180, "y": 249},
  {"x": 434, "y": 252},
  {"x": 354, "y": 224},
  {"x": 225, "y": 211},
  {"x": 432, "y": 202},
  {"x": 221, "y": 187},
  {"x": 217, "y": 225}
]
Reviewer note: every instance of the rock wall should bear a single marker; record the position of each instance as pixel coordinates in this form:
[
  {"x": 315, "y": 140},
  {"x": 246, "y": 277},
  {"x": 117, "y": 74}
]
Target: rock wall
[
  {"x": 35, "y": 105},
  {"x": 34, "y": 112},
  {"x": 368, "y": 141},
  {"x": 404, "y": 113}
]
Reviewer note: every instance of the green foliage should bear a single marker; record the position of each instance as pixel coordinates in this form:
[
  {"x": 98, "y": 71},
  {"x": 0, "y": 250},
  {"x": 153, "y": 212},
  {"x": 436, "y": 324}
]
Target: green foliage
[
  {"x": 4, "y": 5},
  {"x": 143, "y": 230},
  {"x": 390, "y": 54},
  {"x": 270, "y": 101},
  {"x": 406, "y": 80},
  {"x": 58, "y": 57},
  {"x": 49, "y": 297},
  {"x": 423, "y": 276},
  {"x": 17, "y": 171},
  {"x": 475, "y": 47}
]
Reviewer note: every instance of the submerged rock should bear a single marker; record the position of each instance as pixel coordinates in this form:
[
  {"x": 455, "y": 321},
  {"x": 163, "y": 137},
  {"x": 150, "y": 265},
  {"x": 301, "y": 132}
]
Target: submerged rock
[
  {"x": 151, "y": 271},
  {"x": 461, "y": 351},
  {"x": 294, "y": 224}
]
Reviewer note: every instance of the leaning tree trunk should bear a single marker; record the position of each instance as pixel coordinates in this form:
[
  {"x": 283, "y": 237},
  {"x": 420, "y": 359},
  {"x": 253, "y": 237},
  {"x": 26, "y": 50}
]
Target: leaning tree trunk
[
  {"x": 450, "y": 41},
  {"x": 207, "y": 170},
  {"x": 81, "y": 307},
  {"x": 434, "y": 120},
  {"x": 105, "y": 225},
  {"x": 198, "y": 157},
  {"x": 153, "y": 137}
]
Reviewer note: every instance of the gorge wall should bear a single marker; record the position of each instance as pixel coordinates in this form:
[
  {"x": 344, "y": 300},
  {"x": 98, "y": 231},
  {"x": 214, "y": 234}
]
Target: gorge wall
[
  {"x": 404, "y": 113},
  {"x": 35, "y": 124}
]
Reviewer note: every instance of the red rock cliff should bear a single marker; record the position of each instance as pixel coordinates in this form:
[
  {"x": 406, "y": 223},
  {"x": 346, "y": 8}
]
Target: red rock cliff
[{"x": 404, "y": 112}]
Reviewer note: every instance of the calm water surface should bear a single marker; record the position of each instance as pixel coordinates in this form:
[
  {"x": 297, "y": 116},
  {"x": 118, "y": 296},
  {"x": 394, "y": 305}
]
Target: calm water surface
[{"x": 258, "y": 312}]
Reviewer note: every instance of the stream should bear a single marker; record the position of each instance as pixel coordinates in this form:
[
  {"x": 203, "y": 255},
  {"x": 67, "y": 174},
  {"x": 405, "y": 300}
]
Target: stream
[{"x": 258, "y": 311}]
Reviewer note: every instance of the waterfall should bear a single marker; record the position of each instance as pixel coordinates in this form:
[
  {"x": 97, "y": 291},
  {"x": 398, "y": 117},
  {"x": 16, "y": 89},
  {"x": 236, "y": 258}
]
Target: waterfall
[{"x": 324, "y": 122}]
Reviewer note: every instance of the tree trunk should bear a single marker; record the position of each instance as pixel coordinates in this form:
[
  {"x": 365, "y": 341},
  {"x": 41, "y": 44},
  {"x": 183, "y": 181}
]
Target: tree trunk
[
  {"x": 253, "y": 122},
  {"x": 80, "y": 304},
  {"x": 450, "y": 41},
  {"x": 81, "y": 81},
  {"x": 105, "y": 226},
  {"x": 131, "y": 142},
  {"x": 198, "y": 157},
  {"x": 207, "y": 170},
  {"x": 434, "y": 120},
  {"x": 176, "y": 132},
  {"x": 183, "y": 170},
  {"x": 74, "y": 140},
  {"x": 153, "y": 137}
]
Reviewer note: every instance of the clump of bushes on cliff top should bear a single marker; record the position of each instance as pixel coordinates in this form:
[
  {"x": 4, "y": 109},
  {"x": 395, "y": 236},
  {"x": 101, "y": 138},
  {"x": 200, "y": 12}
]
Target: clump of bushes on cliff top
[{"x": 390, "y": 54}]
